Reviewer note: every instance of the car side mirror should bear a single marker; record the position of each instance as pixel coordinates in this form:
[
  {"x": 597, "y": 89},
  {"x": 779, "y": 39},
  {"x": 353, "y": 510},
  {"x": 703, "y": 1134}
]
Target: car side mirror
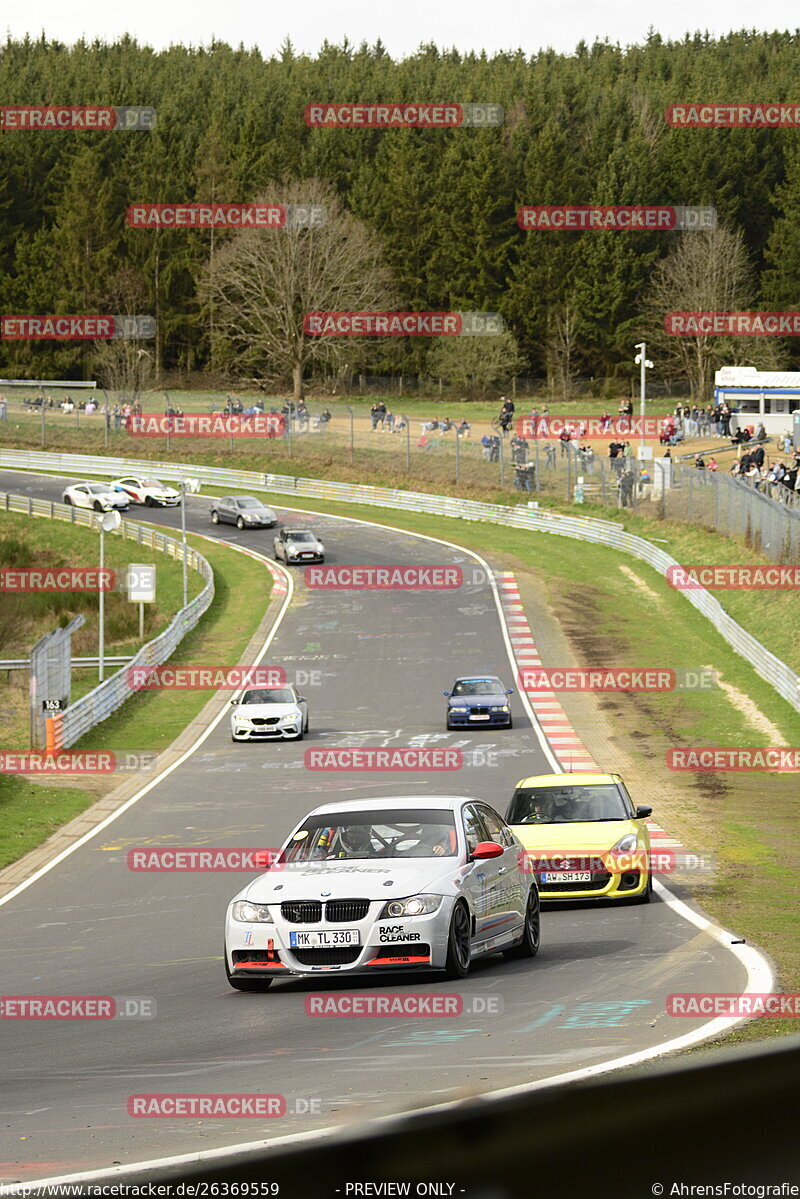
[
  {"x": 486, "y": 849},
  {"x": 447, "y": 693},
  {"x": 643, "y": 810},
  {"x": 509, "y": 690},
  {"x": 234, "y": 702},
  {"x": 301, "y": 699}
]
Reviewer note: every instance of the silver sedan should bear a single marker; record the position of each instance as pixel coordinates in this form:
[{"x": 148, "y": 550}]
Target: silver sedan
[{"x": 370, "y": 885}]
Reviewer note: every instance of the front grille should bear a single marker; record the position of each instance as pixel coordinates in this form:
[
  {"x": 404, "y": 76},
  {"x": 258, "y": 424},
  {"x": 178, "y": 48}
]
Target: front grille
[
  {"x": 326, "y": 957},
  {"x": 304, "y": 911},
  {"x": 479, "y": 711},
  {"x": 411, "y": 949},
  {"x": 597, "y": 882},
  {"x": 264, "y": 719},
  {"x": 339, "y": 910}
]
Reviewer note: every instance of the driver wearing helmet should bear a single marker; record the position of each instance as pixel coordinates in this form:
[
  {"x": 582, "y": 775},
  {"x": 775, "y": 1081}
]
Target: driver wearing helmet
[{"x": 356, "y": 842}]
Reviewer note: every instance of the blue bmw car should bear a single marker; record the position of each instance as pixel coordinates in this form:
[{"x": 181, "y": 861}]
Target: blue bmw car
[{"x": 476, "y": 701}]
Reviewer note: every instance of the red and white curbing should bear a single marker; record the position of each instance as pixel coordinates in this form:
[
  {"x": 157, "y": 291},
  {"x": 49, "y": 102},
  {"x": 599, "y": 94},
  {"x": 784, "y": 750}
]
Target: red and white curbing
[{"x": 566, "y": 744}]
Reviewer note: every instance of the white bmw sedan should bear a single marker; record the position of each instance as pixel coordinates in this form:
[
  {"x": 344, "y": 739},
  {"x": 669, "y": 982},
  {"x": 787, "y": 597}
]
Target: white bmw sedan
[
  {"x": 274, "y": 713},
  {"x": 365, "y": 886}
]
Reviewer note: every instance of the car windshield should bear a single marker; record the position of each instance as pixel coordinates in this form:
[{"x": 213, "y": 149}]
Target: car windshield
[
  {"x": 567, "y": 804},
  {"x": 404, "y": 833},
  {"x": 300, "y": 537},
  {"x": 478, "y": 687},
  {"x": 97, "y": 488},
  {"x": 246, "y": 502},
  {"x": 153, "y": 483},
  {"x": 268, "y": 695}
]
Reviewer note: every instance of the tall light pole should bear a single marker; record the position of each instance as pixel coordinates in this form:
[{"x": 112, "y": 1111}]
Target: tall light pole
[
  {"x": 192, "y": 486},
  {"x": 107, "y": 522},
  {"x": 643, "y": 362}
]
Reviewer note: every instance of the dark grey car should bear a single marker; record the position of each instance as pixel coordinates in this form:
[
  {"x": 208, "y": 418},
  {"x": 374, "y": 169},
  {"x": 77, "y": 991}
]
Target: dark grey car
[{"x": 244, "y": 511}]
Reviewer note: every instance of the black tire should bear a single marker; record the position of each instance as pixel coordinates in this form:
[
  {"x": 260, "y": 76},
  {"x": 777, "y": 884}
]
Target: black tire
[
  {"x": 68, "y": 501},
  {"x": 246, "y": 984},
  {"x": 240, "y": 523},
  {"x": 510, "y": 724},
  {"x": 305, "y": 726},
  {"x": 646, "y": 895},
  {"x": 215, "y": 518},
  {"x": 149, "y": 502},
  {"x": 528, "y": 947},
  {"x": 459, "y": 943},
  {"x": 98, "y": 507}
]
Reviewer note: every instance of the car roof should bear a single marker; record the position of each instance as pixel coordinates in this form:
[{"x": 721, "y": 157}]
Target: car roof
[
  {"x": 448, "y": 803},
  {"x": 581, "y": 779},
  {"x": 247, "y": 497},
  {"x": 299, "y": 531}
]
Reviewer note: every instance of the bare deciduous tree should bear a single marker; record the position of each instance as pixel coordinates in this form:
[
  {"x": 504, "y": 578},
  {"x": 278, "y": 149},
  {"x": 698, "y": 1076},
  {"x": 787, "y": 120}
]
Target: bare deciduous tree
[
  {"x": 476, "y": 364},
  {"x": 263, "y": 283},
  {"x": 706, "y": 271},
  {"x": 124, "y": 365},
  {"x": 561, "y": 350}
]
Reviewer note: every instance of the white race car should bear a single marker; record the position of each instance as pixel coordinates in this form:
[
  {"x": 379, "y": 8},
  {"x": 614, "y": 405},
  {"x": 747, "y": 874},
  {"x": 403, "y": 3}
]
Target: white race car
[
  {"x": 369, "y": 885},
  {"x": 149, "y": 491},
  {"x": 271, "y": 712},
  {"x": 101, "y": 497}
]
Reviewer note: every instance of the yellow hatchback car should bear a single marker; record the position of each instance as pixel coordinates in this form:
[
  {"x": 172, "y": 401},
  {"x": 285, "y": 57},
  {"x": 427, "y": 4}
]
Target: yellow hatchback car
[{"x": 584, "y": 836}]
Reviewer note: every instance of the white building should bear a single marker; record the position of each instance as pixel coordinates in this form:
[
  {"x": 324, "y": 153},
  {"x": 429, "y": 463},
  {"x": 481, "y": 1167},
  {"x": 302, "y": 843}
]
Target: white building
[{"x": 753, "y": 396}]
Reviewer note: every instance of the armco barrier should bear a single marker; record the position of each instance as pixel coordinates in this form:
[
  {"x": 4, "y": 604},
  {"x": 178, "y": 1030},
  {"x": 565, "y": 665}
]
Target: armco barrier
[
  {"x": 584, "y": 528},
  {"x": 97, "y": 705}
]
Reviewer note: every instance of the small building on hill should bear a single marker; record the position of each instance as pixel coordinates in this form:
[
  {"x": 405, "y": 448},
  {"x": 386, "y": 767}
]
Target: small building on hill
[{"x": 753, "y": 396}]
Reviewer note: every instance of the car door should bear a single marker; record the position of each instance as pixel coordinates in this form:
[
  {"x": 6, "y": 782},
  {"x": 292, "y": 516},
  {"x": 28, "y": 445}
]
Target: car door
[
  {"x": 509, "y": 900},
  {"x": 80, "y": 497},
  {"x": 225, "y": 509},
  {"x": 483, "y": 877}
]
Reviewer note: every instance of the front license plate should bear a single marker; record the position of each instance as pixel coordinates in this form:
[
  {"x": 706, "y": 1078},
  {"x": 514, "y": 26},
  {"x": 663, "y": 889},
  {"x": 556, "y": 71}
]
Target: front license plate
[
  {"x": 567, "y": 876},
  {"x": 324, "y": 940},
  {"x": 480, "y": 718}
]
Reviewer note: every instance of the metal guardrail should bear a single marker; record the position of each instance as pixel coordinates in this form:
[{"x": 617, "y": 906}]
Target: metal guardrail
[
  {"x": 109, "y": 659},
  {"x": 100, "y": 703},
  {"x": 584, "y": 528}
]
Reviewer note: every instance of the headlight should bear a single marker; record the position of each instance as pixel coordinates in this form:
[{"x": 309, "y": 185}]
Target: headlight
[
  {"x": 290, "y": 717},
  {"x": 415, "y": 905},
  {"x": 251, "y": 913},
  {"x": 626, "y": 844},
  {"x": 459, "y": 709},
  {"x": 504, "y": 708}
]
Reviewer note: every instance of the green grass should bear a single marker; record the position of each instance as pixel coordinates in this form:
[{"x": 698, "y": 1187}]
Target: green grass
[{"x": 30, "y": 811}]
